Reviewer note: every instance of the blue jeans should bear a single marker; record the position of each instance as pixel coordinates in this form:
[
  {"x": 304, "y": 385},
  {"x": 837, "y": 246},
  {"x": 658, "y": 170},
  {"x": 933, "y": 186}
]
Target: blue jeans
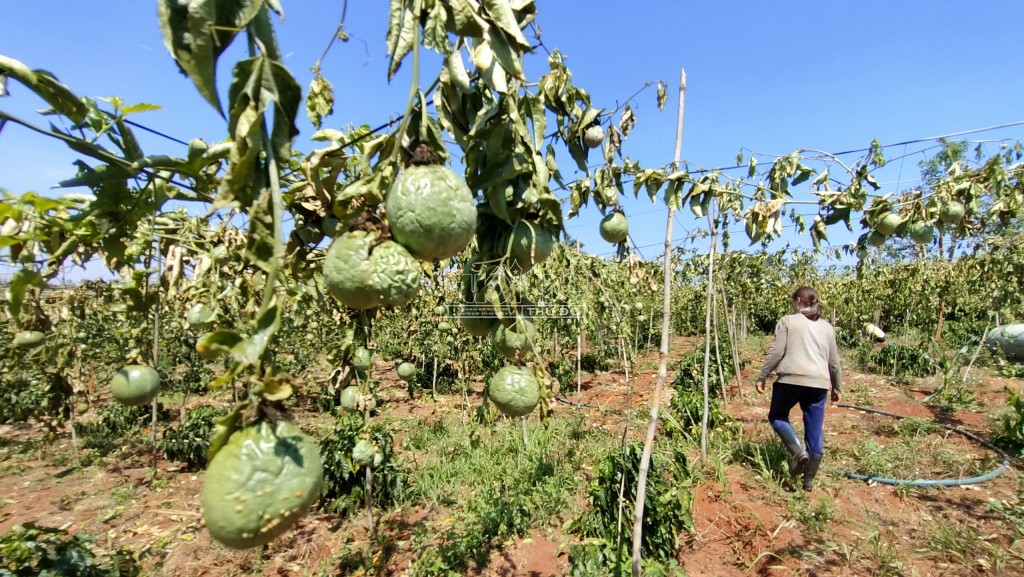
[{"x": 812, "y": 404}]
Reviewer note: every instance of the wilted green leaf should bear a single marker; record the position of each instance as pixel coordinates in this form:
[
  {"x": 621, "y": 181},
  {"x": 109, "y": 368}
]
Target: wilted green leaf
[
  {"x": 15, "y": 293},
  {"x": 401, "y": 33},
  {"x": 218, "y": 343}
]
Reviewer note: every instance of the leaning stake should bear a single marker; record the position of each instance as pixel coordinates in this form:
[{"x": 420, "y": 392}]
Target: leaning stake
[{"x": 652, "y": 425}]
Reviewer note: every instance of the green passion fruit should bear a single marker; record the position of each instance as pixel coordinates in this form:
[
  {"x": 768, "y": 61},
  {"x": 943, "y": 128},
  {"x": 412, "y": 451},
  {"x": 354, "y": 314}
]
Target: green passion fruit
[
  {"x": 531, "y": 245},
  {"x": 362, "y": 359},
  {"x": 350, "y": 397},
  {"x": 514, "y": 390},
  {"x": 888, "y": 224},
  {"x": 593, "y": 136},
  {"x": 431, "y": 212},
  {"x": 260, "y": 484},
  {"x": 921, "y": 232},
  {"x": 135, "y": 385},
  {"x": 363, "y": 452},
  {"x": 875, "y": 239},
  {"x": 614, "y": 227},
  {"x": 406, "y": 371},
  {"x": 359, "y": 279},
  {"x": 951, "y": 212},
  {"x": 515, "y": 339}
]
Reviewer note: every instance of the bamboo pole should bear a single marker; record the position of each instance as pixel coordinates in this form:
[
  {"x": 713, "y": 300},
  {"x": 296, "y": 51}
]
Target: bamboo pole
[
  {"x": 652, "y": 425},
  {"x": 707, "y": 335}
]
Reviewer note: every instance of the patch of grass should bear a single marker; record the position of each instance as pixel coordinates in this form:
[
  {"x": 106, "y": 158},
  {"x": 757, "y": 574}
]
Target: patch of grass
[
  {"x": 953, "y": 542},
  {"x": 910, "y": 455},
  {"x": 911, "y": 428},
  {"x": 814, "y": 516},
  {"x": 123, "y": 495},
  {"x": 1011, "y": 511},
  {"x": 860, "y": 394},
  {"x": 883, "y": 558},
  {"x": 499, "y": 486},
  {"x": 766, "y": 457}
]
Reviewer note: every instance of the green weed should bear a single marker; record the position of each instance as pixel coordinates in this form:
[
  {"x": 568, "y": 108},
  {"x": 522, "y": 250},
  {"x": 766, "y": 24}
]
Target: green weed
[
  {"x": 189, "y": 442},
  {"x": 813, "y": 516},
  {"x": 953, "y": 542},
  {"x": 667, "y": 508},
  {"x": 123, "y": 495},
  {"x": 884, "y": 556},
  {"x": 500, "y": 486},
  {"x": 30, "y": 550},
  {"x": 1010, "y": 435},
  {"x": 767, "y": 458},
  {"x": 910, "y": 456}
]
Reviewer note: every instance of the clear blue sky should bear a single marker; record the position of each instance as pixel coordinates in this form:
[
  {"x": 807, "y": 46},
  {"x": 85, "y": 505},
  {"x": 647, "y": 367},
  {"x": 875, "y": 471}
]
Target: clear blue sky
[{"x": 765, "y": 76}]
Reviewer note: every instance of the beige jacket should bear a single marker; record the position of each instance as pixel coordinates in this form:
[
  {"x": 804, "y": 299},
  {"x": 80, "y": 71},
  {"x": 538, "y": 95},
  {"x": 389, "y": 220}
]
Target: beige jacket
[{"x": 805, "y": 353}]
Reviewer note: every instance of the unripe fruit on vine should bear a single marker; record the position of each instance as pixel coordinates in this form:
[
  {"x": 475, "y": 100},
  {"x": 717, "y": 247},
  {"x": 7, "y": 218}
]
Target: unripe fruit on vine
[
  {"x": 444, "y": 327},
  {"x": 951, "y": 212},
  {"x": 531, "y": 245},
  {"x": 921, "y": 232},
  {"x": 28, "y": 339},
  {"x": 514, "y": 391},
  {"x": 350, "y": 397},
  {"x": 593, "y": 136},
  {"x": 1009, "y": 339},
  {"x": 431, "y": 212},
  {"x": 135, "y": 385},
  {"x": 260, "y": 484},
  {"x": 362, "y": 359},
  {"x": 888, "y": 224},
  {"x": 406, "y": 371},
  {"x": 359, "y": 279},
  {"x": 514, "y": 340},
  {"x": 875, "y": 238},
  {"x": 363, "y": 452},
  {"x": 614, "y": 227}
]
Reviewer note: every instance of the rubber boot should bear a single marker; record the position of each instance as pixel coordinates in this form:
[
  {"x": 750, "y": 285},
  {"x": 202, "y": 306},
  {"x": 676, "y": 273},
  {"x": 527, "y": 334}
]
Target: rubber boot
[
  {"x": 813, "y": 462},
  {"x": 797, "y": 454}
]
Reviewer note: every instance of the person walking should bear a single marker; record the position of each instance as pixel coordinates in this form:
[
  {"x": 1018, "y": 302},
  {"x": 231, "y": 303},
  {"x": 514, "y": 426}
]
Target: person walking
[{"x": 806, "y": 358}]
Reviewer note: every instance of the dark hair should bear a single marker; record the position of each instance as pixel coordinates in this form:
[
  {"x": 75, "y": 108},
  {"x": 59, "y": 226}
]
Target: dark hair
[{"x": 809, "y": 297}]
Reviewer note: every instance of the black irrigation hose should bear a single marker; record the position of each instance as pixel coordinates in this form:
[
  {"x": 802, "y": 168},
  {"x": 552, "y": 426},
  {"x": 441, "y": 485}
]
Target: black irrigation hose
[{"x": 930, "y": 482}]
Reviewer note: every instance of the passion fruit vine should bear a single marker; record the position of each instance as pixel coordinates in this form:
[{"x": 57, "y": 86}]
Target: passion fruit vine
[{"x": 260, "y": 484}]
